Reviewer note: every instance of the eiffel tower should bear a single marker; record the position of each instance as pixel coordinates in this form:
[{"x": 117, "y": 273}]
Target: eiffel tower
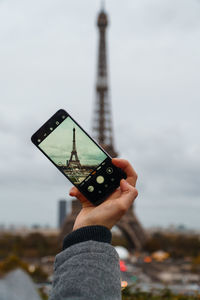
[
  {"x": 74, "y": 163},
  {"x": 102, "y": 128},
  {"x": 102, "y": 122}
]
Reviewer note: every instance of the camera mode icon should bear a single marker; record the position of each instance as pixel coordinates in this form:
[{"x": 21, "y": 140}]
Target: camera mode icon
[
  {"x": 90, "y": 188},
  {"x": 109, "y": 170}
]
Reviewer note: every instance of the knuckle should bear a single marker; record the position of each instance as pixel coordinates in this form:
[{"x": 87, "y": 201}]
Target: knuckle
[
  {"x": 135, "y": 191},
  {"x": 126, "y": 162},
  {"x": 122, "y": 207},
  {"x": 71, "y": 192}
]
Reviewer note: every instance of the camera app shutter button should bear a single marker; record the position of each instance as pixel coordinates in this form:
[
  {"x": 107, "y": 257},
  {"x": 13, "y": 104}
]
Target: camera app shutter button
[{"x": 100, "y": 179}]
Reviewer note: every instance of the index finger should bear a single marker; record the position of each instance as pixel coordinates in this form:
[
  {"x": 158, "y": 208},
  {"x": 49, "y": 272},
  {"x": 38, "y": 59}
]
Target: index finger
[
  {"x": 74, "y": 192},
  {"x": 127, "y": 168}
]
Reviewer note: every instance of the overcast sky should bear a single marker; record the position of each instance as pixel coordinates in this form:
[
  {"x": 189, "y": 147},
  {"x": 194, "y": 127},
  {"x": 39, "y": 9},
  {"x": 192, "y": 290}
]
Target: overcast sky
[{"x": 48, "y": 53}]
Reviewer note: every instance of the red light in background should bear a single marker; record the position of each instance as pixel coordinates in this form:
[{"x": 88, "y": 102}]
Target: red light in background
[{"x": 122, "y": 265}]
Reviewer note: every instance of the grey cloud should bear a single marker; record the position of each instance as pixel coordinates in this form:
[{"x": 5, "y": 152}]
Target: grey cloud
[{"x": 171, "y": 163}]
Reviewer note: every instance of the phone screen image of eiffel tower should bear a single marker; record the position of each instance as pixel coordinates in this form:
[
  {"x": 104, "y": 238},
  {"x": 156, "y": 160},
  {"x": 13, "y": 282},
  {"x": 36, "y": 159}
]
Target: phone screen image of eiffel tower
[{"x": 74, "y": 153}]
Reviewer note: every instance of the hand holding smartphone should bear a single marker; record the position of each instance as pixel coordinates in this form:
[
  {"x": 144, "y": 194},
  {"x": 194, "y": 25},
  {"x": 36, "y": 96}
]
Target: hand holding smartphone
[{"x": 67, "y": 145}]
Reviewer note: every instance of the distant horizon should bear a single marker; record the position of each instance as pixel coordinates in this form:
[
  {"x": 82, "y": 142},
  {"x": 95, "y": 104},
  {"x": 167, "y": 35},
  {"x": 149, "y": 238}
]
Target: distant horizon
[{"x": 48, "y": 226}]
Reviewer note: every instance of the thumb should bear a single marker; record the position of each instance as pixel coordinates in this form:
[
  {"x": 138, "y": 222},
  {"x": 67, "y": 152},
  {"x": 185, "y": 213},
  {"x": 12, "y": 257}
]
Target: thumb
[{"x": 128, "y": 193}]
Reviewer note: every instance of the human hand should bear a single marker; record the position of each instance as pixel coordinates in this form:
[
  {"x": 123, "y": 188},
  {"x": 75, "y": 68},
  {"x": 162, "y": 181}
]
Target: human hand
[{"x": 109, "y": 212}]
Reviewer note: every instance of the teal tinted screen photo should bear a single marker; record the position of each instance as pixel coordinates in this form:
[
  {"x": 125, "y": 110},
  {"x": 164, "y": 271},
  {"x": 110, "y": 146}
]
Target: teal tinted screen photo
[{"x": 74, "y": 153}]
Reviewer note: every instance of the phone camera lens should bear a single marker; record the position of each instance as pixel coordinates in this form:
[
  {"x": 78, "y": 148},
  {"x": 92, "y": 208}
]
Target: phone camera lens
[
  {"x": 57, "y": 123},
  {"x": 51, "y": 128},
  {"x": 39, "y": 140},
  {"x": 63, "y": 117}
]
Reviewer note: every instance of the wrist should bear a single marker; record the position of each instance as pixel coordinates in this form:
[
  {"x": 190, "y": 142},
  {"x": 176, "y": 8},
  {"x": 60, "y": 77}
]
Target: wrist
[
  {"x": 96, "y": 233},
  {"x": 77, "y": 227}
]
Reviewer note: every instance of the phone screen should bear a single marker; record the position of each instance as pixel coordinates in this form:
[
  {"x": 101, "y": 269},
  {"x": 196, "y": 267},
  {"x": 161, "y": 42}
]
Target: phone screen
[{"x": 74, "y": 153}]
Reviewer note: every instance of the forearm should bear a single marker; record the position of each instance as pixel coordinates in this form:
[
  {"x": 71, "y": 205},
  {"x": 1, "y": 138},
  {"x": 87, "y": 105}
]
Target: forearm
[{"x": 88, "y": 268}]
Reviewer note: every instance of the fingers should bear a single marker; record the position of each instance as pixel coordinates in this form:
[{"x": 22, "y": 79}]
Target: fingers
[
  {"x": 129, "y": 193},
  {"x": 74, "y": 192},
  {"x": 126, "y": 187},
  {"x": 127, "y": 168}
]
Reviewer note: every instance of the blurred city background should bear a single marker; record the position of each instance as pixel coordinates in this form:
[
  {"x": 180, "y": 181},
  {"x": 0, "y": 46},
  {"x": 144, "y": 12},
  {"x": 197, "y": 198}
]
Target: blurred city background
[{"x": 52, "y": 57}]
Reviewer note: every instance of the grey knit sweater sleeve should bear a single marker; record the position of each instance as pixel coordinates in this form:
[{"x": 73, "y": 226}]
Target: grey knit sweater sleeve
[{"x": 87, "y": 271}]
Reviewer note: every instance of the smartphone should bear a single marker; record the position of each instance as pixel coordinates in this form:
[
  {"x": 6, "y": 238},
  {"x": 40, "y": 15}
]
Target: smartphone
[{"x": 78, "y": 157}]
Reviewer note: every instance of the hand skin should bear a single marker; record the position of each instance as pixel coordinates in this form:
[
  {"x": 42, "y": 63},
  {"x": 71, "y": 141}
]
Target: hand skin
[{"x": 114, "y": 207}]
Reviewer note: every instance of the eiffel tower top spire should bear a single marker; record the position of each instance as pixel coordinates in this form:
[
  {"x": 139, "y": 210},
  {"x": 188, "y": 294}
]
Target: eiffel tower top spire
[
  {"x": 102, "y": 122},
  {"x": 102, "y": 5}
]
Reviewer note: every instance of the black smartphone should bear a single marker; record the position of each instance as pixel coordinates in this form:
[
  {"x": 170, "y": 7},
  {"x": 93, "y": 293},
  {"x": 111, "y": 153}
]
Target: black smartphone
[{"x": 70, "y": 148}]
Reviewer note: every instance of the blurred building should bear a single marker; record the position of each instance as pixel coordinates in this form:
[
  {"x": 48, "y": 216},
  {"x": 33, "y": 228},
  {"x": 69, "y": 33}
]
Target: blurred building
[{"x": 62, "y": 212}]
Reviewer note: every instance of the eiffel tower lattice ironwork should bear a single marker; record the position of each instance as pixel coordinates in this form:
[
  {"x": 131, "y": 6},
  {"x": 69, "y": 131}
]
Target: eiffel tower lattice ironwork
[
  {"x": 102, "y": 128},
  {"x": 102, "y": 122},
  {"x": 74, "y": 161}
]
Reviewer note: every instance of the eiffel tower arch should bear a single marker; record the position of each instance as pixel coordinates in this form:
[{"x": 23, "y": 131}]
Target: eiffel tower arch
[{"x": 103, "y": 132}]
